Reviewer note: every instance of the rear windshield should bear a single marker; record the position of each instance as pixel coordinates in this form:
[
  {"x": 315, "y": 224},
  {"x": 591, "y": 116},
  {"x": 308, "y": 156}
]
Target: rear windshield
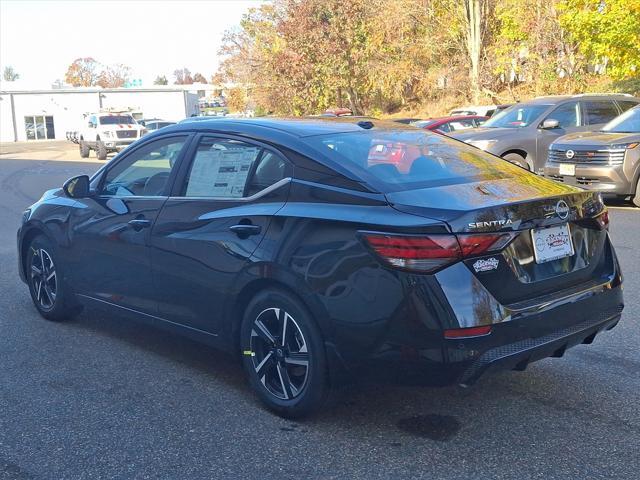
[
  {"x": 116, "y": 119},
  {"x": 517, "y": 116},
  {"x": 394, "y": 160},
  {"x": 628, "y": 122}
]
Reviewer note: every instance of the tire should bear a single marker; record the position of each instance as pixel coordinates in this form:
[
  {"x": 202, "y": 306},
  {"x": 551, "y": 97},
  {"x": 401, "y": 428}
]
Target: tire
[
  {"x": 636, "y": 197},
  {"x": 101, "y": 150},
  {"x": 517, "y": 159},
  {"x": 49, "y": 292},
  {"x": 290, "y": 377},
  {"x": 84, "y": 150}
]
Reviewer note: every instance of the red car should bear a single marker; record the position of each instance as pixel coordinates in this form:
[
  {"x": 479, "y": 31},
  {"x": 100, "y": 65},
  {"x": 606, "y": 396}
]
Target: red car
[{"x": 451, "y": 124}]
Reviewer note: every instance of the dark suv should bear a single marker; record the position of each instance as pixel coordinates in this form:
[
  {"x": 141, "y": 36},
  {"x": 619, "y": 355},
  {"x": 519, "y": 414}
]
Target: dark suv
[
  {"x": 522, "y": 133},
  {"x": 607, "y": 160}
]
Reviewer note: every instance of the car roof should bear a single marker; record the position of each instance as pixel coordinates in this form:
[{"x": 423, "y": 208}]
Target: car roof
[
  {"x": 555, "y": 99},
  {"x": 453, "y": 118},
  {"x": 297, "y": 126}
]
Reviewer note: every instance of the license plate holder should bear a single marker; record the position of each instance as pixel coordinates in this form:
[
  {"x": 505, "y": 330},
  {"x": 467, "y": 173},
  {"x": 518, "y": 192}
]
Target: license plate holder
[
  {"x": 568, "y": 169},
  {"x": 552, "y": 243}
]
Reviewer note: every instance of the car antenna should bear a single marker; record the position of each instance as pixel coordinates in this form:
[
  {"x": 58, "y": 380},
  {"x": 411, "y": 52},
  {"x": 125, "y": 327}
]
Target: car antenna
[{"x": 365, "y": 124}]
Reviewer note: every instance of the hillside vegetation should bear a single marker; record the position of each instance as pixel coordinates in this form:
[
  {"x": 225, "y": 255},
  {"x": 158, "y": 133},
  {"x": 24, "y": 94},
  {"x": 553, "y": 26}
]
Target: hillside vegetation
[{"x": 423, "y": 57}]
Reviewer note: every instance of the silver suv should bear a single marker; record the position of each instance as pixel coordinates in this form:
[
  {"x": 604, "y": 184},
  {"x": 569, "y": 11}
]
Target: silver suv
[
  {"x": 607, "y": 160},
  {"x": 522, "y": 133}
]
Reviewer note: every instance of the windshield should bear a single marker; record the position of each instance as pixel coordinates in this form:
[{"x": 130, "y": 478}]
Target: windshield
[
  {"x": 517, "y": 116},
  {"x": 116, "y": 119},
  {"x": 394, "y": 160},
  {"x": 628, "y": 122}
]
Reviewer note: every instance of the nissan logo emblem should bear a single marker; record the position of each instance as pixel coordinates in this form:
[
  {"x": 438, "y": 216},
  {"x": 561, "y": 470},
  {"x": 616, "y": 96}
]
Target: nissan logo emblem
[
  {"x": 562, "y": 209},
  {"x": 570, "y": 154}
]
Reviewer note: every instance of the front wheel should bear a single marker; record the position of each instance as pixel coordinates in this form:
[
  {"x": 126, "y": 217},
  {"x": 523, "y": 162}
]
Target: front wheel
[
  {"x": 283, "y": 354},
  {"x": 517, "y": 159},
  {"x": 101, "y": 150},
  {"x": 84, "y": 150},
  {"x": 636, "y": 197},
  {"x": 48, "y": 291}
]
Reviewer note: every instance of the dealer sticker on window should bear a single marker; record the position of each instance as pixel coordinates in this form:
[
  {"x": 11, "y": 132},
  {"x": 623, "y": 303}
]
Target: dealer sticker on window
[{"x": 552, "y": 243}]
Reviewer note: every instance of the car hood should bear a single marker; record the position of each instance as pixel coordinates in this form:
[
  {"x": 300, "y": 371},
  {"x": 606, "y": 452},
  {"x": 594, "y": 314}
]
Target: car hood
[
  {"x": 522, "y": 198},
  {"x": 597, "y": 138},
  {"x": 483, "y": 133}
]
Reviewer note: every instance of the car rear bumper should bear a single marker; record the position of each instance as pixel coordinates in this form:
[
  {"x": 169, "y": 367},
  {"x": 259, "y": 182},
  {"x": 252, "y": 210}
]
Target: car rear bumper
[
  {"x": 606, "y": 179},
  {"x": 546, "y": 329},
  {"x": 518, "y": 355}
]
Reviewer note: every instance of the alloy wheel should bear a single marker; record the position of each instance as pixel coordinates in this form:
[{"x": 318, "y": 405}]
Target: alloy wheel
[
  {"x": 279, "y": 353},
  {"x": 43, "y": 279}
]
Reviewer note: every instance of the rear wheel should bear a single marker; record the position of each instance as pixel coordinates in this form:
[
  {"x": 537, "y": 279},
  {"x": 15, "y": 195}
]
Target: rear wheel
[
  {"x": 84, "y": 150},
  {"x": 48, "y": 291},
  {"x": 283, "y": 354},
  {"x": 517, "y": 159},
  {"x": 101, "y": 150}
]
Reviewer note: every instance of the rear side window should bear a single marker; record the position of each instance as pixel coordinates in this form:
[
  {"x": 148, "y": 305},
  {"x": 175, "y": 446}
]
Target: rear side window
[
  {"x": 600, "y": 111},
  {"x": 225, "y": 168},
  {"x": 626, "y": 104},
  {"x": 460, "y": 125},
  {"x": 394, "y": 160},
  {"x": 567, "y": 115}
]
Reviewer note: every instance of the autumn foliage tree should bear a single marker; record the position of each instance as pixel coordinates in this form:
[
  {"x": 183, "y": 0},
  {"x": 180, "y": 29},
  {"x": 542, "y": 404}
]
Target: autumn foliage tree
[
  {"x": 88, "y": 72},
  {"x": 199, "y": 78},
  {"x": 114, "y": 76},
  {"x": 83, "y": 72},
  {"x": 376, "y": 56},
  {"x": 182, "y": 76}
]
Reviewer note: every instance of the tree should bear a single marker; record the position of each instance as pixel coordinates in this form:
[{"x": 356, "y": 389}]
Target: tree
[
  {"x": 199, "y": 78},
  {"x": 83, "y": 72},
  {"x": 182, "y": 76},
  {"x": 114, "y": 76},
  {"x": 376, "y": 56},
  {"x": 161, "y": 80},
  {"x": 237, "y": 99},
  {"x": 606, "y": 33},
  {"x": 9, "y": 74}
]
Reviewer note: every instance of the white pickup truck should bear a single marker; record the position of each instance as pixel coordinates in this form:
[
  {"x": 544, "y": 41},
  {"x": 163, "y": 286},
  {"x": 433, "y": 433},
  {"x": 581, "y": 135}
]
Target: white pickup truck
[{"x": 108, "y": 132}]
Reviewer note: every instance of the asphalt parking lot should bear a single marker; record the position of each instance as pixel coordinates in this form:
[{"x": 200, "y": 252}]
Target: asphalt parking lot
[{"x": 101, "y": 397}]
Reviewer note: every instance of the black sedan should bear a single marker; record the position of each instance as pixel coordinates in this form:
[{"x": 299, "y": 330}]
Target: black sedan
[{"x": 324, "y": 250}]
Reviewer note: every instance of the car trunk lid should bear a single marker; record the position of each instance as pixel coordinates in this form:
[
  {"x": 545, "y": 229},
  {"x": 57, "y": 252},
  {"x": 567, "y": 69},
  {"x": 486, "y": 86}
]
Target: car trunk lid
[{"x": 528, "y": 209}]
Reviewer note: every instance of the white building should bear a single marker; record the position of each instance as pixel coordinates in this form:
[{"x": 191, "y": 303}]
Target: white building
[{"x": 49, "y": 114}]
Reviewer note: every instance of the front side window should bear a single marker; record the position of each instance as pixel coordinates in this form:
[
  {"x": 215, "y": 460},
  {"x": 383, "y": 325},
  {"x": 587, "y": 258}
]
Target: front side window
[
  {"x": 600, "y": 111},
  {"x": 567, "y": 115},
  {"x": 220, "y": 168},
  {"x": 518, "y": 116},
  {"x": 145, "y": 171}
]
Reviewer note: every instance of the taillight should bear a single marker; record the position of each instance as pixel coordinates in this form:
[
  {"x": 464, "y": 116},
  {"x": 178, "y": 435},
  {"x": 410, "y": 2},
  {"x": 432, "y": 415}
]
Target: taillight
[
  {"x": 424, "y": 253},
  {"x": 427, "y": 253},
  {"x": 468, "y": 332}
]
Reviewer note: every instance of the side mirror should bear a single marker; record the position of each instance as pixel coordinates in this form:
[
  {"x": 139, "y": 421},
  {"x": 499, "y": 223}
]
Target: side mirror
[
  {"x": 550, "y": 124},
  {"x": 77, "y": 187}
]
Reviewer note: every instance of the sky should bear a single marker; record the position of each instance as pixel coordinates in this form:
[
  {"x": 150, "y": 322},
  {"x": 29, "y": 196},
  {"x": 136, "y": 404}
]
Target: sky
[{"x": 41, "y": 38}]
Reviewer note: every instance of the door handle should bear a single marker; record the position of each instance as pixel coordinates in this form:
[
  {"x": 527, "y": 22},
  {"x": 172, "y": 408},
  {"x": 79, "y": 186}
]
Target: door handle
[
  {"x": 245, "y": 229},
  {"x": 139, "y": 223}
]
